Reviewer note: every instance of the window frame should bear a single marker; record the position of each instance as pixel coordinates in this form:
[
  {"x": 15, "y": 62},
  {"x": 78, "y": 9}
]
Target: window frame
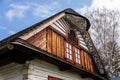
[
  {"x": 77, "y": 53},
  {"x": 69, "y": 51}
]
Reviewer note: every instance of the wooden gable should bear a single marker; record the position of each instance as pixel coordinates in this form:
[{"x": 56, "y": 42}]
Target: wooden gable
[
  {"x": 54, "y": 35},
  {"x": 64, "y": 35}
]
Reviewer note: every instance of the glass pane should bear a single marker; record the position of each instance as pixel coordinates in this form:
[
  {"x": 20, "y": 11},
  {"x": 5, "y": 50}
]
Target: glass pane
[
  {"x": 76, "y": 55},
  {"x": 70, "y": 56},
  {"x": 67, "y": 50},
  {"x": 75, "y": 50},
  {"x": 67, "y": 44},
  {"x": 70, "y": 52},
  {"x": 67, "y": 55},
  {"x": 70, "y": 47}
]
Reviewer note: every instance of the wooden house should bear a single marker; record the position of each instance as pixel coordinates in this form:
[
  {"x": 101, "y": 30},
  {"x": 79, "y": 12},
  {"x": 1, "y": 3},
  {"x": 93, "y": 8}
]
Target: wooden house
[{"x": 58, "y": 48}]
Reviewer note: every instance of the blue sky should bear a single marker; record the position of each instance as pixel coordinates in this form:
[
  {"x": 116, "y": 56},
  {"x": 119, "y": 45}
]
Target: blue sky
[{"x": 16, "y": 15}]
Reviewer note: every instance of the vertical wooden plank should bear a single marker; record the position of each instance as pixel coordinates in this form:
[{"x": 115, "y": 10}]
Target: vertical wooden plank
[
  {"x": 61, "y": 41},
  {"x": 87, "y": 59},
  {"x": 49, "y": 35},
  {"x": 54, "y": 43},
  {"x": 73, "y": 54},
  {"x": 58, "y": 45},
  {"x": 89, "y": 62},
  {"x": 91, "y": 65},
  {"x": 63, "y": 48},
  {"x": 82, "y": 58},
  {"x": 86, "y": 63}
]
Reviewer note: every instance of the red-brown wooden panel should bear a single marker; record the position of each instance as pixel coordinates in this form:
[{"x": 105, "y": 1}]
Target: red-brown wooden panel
[
  {"x": 49, "y": 41},
  {"x": 89, "y": 62},
  {"x": 63, "y": 47},
  {"x": 58, "y": 45},
  {"x": 82, "y": 58},
  {"x": 85, "y": 60},
  {"x": 74, "y": 57},
  {"x": 92, "y": 68},
  {"x": 39, "y": 39},
  {"x": 54, "y": 43}
]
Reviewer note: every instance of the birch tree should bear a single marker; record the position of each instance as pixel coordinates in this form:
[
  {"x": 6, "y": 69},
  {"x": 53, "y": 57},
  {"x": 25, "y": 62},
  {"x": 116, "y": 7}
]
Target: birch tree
[{"x": 104, "y": 30}]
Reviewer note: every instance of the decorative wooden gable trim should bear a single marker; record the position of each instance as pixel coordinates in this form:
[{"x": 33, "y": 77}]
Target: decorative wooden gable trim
[{"x": 41, "y": 27}]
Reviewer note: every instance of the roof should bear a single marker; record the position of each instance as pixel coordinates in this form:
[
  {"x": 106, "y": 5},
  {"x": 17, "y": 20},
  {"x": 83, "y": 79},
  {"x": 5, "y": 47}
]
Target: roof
[
  {"x": 13, "y": 43},
  {"x": 68, "y": 11}
]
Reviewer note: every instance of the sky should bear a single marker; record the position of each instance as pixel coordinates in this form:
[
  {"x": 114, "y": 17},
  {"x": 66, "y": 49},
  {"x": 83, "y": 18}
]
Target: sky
[{"x": 16, "y": 15}]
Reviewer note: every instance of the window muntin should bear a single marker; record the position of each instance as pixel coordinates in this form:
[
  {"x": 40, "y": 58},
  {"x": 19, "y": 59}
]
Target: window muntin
[
  {"x": 77, "y": 56},
  {"x": 69, "y": 51}
]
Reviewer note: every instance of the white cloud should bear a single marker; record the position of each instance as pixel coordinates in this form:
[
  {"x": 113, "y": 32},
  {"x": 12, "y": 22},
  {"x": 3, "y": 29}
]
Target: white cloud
[
  {"x": 36, "y": 9},
  {"x": 108, "y": 4},
  {"x": 44, "y": 10},
  {"x": 11, "y": 32},
  {"x": 16, "y": 11}
]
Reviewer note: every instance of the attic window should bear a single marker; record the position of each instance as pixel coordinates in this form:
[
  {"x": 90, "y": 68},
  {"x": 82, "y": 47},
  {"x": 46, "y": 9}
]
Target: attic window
[
  {"x": 72, "y": 37},
  {"x": 77, "y": 55},
  {"x": 69, "y": 51}
]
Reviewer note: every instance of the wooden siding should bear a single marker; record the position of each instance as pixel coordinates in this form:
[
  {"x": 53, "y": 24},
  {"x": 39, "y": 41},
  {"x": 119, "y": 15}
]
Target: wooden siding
[
  {"x": 41, "y": 27},
  {"x": 55, "y": 43},
  {"x": 40, "y": 70},
  {"x": 39, "y": 39},
  {"x": 86, "y": 61},
  {"x": 11, "y": 72}
]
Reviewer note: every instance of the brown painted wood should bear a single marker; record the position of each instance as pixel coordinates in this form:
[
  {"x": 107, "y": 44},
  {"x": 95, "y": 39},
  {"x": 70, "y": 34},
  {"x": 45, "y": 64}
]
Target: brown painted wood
[
  {"x": 39, "y": 40},
  {"x": 49, "y": 41},
  {"x": 63, "y": 47},
  {"x": 54, "y": 43}
]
